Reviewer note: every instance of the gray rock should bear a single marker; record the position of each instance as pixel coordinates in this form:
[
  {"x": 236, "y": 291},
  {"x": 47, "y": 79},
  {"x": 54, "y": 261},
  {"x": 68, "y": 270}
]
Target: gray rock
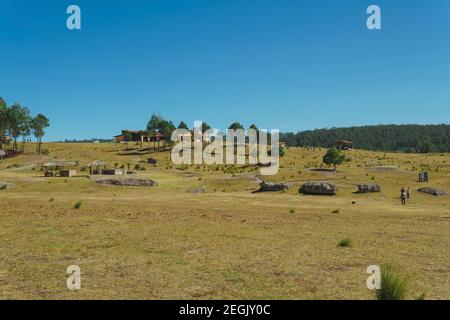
[
  {"x": 319, "y": 188},
  {"x": 366, "y": 188},
  {"x": 272, "y": 187},
  {"x": 129, "y": 182},
  {"x": 433, "y": 191}
]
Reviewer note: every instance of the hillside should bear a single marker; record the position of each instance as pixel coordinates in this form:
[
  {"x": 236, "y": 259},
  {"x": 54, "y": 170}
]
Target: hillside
[{"x": 403, "y": 138}]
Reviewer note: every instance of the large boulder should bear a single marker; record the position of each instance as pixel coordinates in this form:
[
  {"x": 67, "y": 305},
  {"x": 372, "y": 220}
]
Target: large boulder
[
  {"x": 319, "y": 188},
  {"x": 272, "y": 187},
  {"x": 433, "y": 191},
  {"x": 366, "y": 188},
  {"x": 129, "y": 182}
]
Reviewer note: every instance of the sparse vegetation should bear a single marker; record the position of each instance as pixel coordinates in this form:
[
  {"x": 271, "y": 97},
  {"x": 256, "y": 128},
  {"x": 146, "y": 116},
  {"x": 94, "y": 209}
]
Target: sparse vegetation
[
  {"x": 394, "y": 284},
  {"x": 345, "y": 243},
  {"x": 152, "y": 235}
]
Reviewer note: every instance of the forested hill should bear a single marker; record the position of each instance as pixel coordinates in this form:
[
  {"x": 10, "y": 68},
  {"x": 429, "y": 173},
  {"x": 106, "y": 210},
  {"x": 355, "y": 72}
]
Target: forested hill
[{"x": 406, "y": 138}]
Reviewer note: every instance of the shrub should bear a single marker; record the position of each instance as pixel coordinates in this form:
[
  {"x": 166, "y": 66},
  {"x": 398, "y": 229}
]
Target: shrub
[
  {"x": 394, "y": 285},
  {"x": 77, "y": 205},
  {"x": 345, "y": 243}
]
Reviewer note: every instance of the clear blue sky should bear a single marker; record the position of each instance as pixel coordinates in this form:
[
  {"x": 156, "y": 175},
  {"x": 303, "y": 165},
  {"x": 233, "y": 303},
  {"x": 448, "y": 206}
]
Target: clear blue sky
[{"x": 291, "y": 65}]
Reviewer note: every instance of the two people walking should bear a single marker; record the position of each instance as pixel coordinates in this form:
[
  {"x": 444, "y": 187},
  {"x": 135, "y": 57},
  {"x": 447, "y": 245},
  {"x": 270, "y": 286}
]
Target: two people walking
[{"x": 423, "y": 176}]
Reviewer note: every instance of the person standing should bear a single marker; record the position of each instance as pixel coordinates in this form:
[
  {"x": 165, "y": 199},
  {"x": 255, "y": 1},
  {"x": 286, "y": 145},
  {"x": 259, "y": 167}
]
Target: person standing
[{"x": 403, "y": 196}]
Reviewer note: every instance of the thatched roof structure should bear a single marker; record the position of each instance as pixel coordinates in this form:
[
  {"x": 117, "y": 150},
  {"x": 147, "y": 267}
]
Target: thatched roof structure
[
  {"x": 97, "y": 163},
  {"x": 58, "y": 163}
]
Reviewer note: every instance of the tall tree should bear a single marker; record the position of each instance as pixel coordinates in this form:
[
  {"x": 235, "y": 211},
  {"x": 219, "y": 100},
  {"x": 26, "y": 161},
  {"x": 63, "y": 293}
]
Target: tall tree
[
  {"x": 183, "y": 125},
  {"x": 25, "y": 126},
  {"x": 3, "y": 121},
  {"x": 334, "y": 157},
  {"x": 19, "y": 117},
  {"x": 205, "y": 127},
  {"x": 154, "y": 122},
  {"x": 236, "y": 126},
  {"x": 166, "y": 128},
  {"x": 39, "y": 123}
]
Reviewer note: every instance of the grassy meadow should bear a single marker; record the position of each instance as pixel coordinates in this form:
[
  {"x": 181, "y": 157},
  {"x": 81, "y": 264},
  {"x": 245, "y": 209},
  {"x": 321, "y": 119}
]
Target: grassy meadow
[{"x": 166, "y": 242}]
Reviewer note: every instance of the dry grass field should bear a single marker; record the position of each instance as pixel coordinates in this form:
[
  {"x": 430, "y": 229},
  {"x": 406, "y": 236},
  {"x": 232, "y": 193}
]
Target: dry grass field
[{"x": 166, "y": 242}]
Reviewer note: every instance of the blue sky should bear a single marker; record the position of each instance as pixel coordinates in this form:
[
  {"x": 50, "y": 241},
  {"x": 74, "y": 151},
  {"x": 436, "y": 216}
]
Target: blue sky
[{"x": 285, "y": 64}]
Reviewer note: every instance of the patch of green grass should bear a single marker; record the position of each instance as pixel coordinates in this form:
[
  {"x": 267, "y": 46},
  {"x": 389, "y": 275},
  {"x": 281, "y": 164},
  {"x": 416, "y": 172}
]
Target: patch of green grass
[
  {"x": 345, "y": 243},
  {"x": 394, "y": 285}
]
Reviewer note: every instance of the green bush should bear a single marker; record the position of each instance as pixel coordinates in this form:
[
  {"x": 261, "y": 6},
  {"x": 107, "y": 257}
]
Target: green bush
[
  {"x": 345, "y": 243},
  {"x": 394, "y": 285},
  {"x": 77, "y": 205}
]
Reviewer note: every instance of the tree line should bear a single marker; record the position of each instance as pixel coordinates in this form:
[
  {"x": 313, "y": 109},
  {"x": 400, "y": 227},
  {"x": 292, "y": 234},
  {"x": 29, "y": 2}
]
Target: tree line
[
  {"x": 166, "y": 127},
  {"x": 398, "y": 138},
  {"x": 16, "y": 122}
]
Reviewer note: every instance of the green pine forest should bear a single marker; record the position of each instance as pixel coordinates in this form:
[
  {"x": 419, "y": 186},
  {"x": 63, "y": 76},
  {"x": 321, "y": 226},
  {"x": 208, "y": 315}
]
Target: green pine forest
[{"x": 398, "y": 138}]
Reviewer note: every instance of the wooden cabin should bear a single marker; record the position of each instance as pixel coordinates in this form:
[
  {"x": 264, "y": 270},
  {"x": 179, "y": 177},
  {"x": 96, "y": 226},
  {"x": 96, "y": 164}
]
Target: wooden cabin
[
  {"x": 344, "y": 145},
  {"x": 138, "y": 136}
]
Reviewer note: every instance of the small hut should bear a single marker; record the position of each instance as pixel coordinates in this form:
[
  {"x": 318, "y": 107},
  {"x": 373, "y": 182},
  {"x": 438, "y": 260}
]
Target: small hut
[
  {"x": 97, "y": 166},
  {"x": 59, "y": 168},
  {"x": 100, "y": 167},
  {"x": 344, "y": 145}
]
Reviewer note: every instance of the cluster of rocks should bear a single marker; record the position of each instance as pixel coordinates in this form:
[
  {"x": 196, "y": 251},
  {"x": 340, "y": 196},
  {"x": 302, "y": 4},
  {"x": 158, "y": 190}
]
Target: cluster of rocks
[{"x": 128, "y": 182}]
